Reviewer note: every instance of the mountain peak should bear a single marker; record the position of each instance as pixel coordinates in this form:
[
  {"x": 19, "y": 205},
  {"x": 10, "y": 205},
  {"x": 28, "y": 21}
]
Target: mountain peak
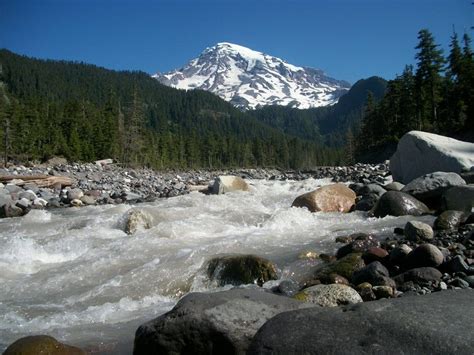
[{"x": 250, "y": 79}]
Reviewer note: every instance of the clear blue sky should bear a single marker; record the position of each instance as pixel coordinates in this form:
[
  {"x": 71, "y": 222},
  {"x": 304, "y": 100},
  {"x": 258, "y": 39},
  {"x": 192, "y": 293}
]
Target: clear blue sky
[{"x": 348, "y": 39}]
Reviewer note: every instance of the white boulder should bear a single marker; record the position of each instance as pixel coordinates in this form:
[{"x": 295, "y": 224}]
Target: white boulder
[
  {"x": 420, "y": 153},
  {"x": 228, "y": 183}
]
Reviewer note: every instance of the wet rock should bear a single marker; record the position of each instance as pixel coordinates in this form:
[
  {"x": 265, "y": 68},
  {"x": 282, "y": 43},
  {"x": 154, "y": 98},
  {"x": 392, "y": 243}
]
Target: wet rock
[
  {"x": 429, "y": 188},
  {"x": 88, "y": 200},
  {"x": 398, "y": 255},
  {"x": 329, "y": 295},
  {"x": 436, "y": 324},
  {"x": 23, "y": 203},
  {"x": 394, "y": 186},
  {"x": 457, "y": 264},
  {"x": 28, "y": 194},
  {"x": 135, "y": 220},
  {"x": 74, "y": 194},
  {"x": 449, "y": 220},
  {"x": 76, "y": 203},
  {"x": 419, "y": 153},
  {"x": 459, "y": 198},
  {"x": 367, "y": 202},
  {"x": 418, "y": 275},
  {"x": 241, "y": 269},
  {"x": 396, "y": 203},
  {"x": 374, "y": 254},
  {"x": 375, "y": 273},
  {"x": 418, "y": 231},
  {"x": 333, "y": 279},
  {"x": 223, "y": 184},
  {"x": 424, "y": 255},
  {"x": 344, "y": 267},
  {"x": 362, "y": 243},
  {"x": 365, "y": 291},
  {"x": 41, "y": 344},
  {"x": 330, "y": 198},
  {"x": 372, "y": 189},
  {"x": 214, "y": 323},
  {"x": 8, "y": 211},
  {"x": 383, "y": 291}
]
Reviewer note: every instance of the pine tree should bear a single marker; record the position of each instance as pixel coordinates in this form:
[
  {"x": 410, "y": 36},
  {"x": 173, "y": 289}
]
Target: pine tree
[{"x": 134, "y": 132}]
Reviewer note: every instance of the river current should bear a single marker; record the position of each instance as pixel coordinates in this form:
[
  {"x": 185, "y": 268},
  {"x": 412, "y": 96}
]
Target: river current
[{"x": 75, "y": 275}]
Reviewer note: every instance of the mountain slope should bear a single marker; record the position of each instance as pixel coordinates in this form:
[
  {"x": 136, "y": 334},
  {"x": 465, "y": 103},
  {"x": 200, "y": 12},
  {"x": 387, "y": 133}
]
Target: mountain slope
[{"x": 250, "y": 79}]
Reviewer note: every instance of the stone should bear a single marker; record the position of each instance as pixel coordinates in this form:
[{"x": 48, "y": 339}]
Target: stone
[
  {"x": 419, "y": 153},
  {"x": 333, "y": 278},
  {"x": 374, "y": 254},
  {"x": 367, "y": 202},
  {"x": 228, "y": 183},
  {"x": 40, "y": 202},
  {"x": 383, "y": 291},
  {"x": 372, "y": 189},
  {"x": 88, "y": 200},
  {"x": 329, "y": 295},
  {"x": 375, "y": 273},
  {"x": 418, "y": 231},
  {"x": 394, "y": 186},
  {"x": 457, "y": 264},
  {"x": 23, "y": 203},
  {"x": 468, "y": 177},
  {"x": 449, "y": 220},
  {"x": 399, "y": 254},
  {"x": 430, "y": 187},
  {"x": 361, "y": 244},
  {"x": 424, "y": 255},
  {"x": 41, "y": 344},
  {"x": 330, "y": 198},
  {"x": 396, "y": 203},
  {"x": 74, "y": 194},
  {"x": 28, "y": 194},
  {"x": 344, "y": 267},
  {"x": 13, "y": 188},
  {"x": 212, "y": 323},
  {"x": 135, "y": 220},
  {"x": 76, "y": 203},
  {"x": 459, "y": 198},
  {"x": 365, "y": 291},
  {"x": 8, "y": 211},
  {"x": 438, "y": 323},
  {"x": 241, "y": 270},
  {"x": 5, "y": 199},
  {"x": 418, "y": 275}
]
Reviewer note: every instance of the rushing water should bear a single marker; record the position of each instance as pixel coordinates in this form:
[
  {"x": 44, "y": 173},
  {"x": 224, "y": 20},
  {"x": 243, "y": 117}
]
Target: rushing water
[{"x": 74, "y": 274}]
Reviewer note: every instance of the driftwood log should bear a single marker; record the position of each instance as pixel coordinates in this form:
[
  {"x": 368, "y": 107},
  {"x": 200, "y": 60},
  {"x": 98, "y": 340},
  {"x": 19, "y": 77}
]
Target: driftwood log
[{"x": 38, "y": 180}]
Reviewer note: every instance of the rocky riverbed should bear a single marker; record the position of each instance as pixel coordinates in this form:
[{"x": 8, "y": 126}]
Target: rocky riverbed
[{"x": 392, "y": 242}]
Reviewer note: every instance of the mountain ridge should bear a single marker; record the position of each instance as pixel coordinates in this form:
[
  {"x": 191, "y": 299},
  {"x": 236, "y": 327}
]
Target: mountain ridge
[{"x": 250, "y": 79}]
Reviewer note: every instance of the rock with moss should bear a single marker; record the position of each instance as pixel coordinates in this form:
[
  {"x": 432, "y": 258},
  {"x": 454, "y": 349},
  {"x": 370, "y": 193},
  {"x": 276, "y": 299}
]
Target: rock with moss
[
  {"x": 344, "y": 267},
  {"x": 41, "y": 344},
  {"x": 332, "y": 295},
  {"x": 241, "y": 270}
]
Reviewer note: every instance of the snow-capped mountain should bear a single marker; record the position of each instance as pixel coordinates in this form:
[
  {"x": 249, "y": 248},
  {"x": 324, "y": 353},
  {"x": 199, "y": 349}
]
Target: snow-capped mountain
[{"x": 250, "y": 79}]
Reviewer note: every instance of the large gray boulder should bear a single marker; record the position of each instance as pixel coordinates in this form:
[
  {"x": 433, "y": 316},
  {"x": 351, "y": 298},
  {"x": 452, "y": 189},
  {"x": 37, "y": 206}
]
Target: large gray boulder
[
  {"x": 439, "y": 323},
  {"x": 212, "y": 323},
  {"x": 420, "y": 153}
]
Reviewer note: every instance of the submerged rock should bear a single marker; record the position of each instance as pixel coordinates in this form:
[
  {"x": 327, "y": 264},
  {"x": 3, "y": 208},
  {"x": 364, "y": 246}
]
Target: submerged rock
[
  {"x": 211, "y": 323},
  {"x": 440, "y": 323},
  {"x": 332, "y": 295},
  {"x": 330, "y": 198},
  {"x": 41, "y": 344},
  {"x": 420, "y": 153},
  {"x": 241, "y": 269},
  {"x": 344, "y": 267},
  {"x": 228, "y": 183},
  {"x": 136, "y": 219}
]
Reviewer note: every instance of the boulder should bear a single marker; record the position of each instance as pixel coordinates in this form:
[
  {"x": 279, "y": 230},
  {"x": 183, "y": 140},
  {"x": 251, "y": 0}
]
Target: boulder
[
  {"x": 330, "y": 198},
  {"x": 397, "y": 203},
  {"x": 212, "y": 323},
  {"x": 135, "y": 220},
  {"x": 429, "y": 188},
  {"x": 460, "y": 198},
  {"x": 418, "y": 231},
  {"x": 228, "y": 183},
  {"x": 449, "y": 220},
  {"x": 362, "y": 243},
  {"x": 439, "y": 323},
  {"x": 375, "y": 254},
  {"x": 424, "y": 255},
  {"x": 41, "y": 344},
  {"x": 74, "y": 194},
  {"x": 367, "y": 202},
  {"x": 329, "y": 295},
  {"x": 420, "y": 153},
  {"x": 241, "y": 270},
  {"x": 394, "y": 186},
  {"x": 419, "y": 275},
  {"x": 399, "y": 254}
]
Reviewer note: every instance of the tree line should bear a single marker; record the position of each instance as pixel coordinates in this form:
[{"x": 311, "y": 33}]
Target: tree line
[
  {"x": 437, "y": 96},
  {"x": 84, "y": 113}
]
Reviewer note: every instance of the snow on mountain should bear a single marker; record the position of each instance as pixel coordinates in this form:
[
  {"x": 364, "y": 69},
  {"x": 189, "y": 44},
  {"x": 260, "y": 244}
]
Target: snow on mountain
[{"x": 250, "y": 79}]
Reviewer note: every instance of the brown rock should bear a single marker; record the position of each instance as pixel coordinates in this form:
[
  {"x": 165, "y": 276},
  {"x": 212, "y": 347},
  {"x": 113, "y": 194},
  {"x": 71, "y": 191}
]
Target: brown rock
[
  {"x": 41, "y": 344},
  {"x": 331, "y": 198}
]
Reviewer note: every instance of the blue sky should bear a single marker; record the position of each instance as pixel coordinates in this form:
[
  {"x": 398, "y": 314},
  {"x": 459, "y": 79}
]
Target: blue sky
[{"x": 348, "y": 39}]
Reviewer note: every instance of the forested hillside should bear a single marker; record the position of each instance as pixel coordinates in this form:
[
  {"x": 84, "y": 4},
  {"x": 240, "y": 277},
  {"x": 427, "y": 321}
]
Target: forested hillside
[
  {"x": 84, "y": 113},
  {"x": 437, "y": 96}
]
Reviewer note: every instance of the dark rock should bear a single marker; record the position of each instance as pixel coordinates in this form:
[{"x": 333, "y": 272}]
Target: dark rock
[
  {"x": 396, "y": 203},
  {"x": 367, "y": 202},
  {"x": 399, "y": 254},
  {"x": 361, "y": 244},
  {"x": 440, "y": 323},
  {"x": 424, "y": 255},
  {"x": 41, "y": 344},
  {"x": 372, "y": 189},
  {"x": 457, "y": 264},
  {"x": 394, "y": 186},
  {"x": 429, "y": 188},
  {"x": 214, "y": 323},
  {"x": 287, "y": 288},
  {"x": 375, "y": 273},
  {"x": 366, "y": 292},
  {"x": 344, "y": 267},
  {"x": 333, "y": 278},
  {"x": 418, "y": 231},
  {"x": 374, "y": 254},
  {"x": 418, "y": 275},
  {"x": 383, "y": 291},
  {"x": 459, "y": 198},
  {"x": 449, "y": 220},
  {"x": 241, "y": 269}
]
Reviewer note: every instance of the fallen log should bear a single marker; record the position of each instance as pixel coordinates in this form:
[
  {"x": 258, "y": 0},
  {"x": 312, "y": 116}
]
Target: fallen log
[{"x": 38, "y": 180}]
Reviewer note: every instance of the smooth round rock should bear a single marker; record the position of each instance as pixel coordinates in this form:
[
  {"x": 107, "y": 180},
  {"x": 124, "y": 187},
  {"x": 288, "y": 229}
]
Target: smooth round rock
[
  {"x": 449, "y": 220},
  {"x": 329, "y": 295},
  {"x": 416, "y": 231},
  {"x": 396, "y": 203},
  {"x": 330, "y": 198},
  {"x": 41, "y": 344},
  {"x": 425, "y": 255}
]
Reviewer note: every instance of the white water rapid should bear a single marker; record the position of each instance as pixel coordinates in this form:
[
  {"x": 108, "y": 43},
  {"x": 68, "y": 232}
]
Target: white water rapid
[{"x": 75, "y": 275}]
